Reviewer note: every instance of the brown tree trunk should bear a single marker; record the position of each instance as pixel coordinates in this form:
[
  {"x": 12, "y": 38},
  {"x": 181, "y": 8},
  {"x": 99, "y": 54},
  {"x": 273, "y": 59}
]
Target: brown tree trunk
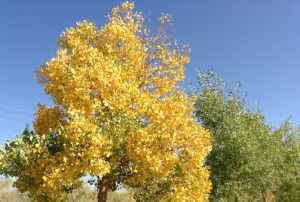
[
  {"x": 103, "y": 187},
  {"x": 264, "y": 198}
]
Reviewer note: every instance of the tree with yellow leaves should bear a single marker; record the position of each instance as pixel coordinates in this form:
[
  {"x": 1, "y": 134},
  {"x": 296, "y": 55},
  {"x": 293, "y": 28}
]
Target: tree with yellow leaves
[{"x": 118, "y": 115}]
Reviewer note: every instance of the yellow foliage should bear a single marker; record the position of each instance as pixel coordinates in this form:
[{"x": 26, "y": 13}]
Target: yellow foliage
[
  {"x": 47, "y": 119},
  {"x": 119, "y": 70}
]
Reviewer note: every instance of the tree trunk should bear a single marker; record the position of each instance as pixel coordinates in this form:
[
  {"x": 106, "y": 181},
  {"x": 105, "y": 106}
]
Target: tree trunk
[
  {"x": 103, "y": 187},
  {"x": 264, "y": 197}
]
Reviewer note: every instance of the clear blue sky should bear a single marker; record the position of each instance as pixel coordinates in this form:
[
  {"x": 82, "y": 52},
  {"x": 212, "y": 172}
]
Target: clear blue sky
[{"x": 252, "y": 41}]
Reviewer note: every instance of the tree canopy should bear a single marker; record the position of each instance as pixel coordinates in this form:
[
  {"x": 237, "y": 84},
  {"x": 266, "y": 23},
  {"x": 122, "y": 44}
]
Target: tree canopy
[
  {"x": 117, "y": 114},
  {"x": 249, "y": 160}
]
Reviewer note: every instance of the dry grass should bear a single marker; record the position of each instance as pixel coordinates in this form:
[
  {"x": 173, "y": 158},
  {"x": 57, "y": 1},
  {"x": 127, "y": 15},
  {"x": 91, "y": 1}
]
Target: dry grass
[{"x": 84, "y": 194}]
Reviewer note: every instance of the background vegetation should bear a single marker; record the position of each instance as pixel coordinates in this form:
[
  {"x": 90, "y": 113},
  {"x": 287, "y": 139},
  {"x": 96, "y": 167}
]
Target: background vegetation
[{"x": 250, "y": 161}]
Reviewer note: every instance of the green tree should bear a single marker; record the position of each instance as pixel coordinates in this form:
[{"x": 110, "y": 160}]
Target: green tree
[
  {"x": 249, "y": 161},
  {"x": 289, "y": 166}
]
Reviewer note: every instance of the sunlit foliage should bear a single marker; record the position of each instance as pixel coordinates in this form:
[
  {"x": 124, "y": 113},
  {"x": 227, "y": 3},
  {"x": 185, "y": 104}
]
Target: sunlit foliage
[{"x": 118, "y": 114}]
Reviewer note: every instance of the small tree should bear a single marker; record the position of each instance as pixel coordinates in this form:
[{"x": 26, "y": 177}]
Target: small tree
[{"x": 118, "y": 115}]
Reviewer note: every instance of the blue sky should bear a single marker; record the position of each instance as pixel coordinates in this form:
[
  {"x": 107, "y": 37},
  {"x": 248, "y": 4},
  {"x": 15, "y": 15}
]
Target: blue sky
[{"x": 252, "y": 41}]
